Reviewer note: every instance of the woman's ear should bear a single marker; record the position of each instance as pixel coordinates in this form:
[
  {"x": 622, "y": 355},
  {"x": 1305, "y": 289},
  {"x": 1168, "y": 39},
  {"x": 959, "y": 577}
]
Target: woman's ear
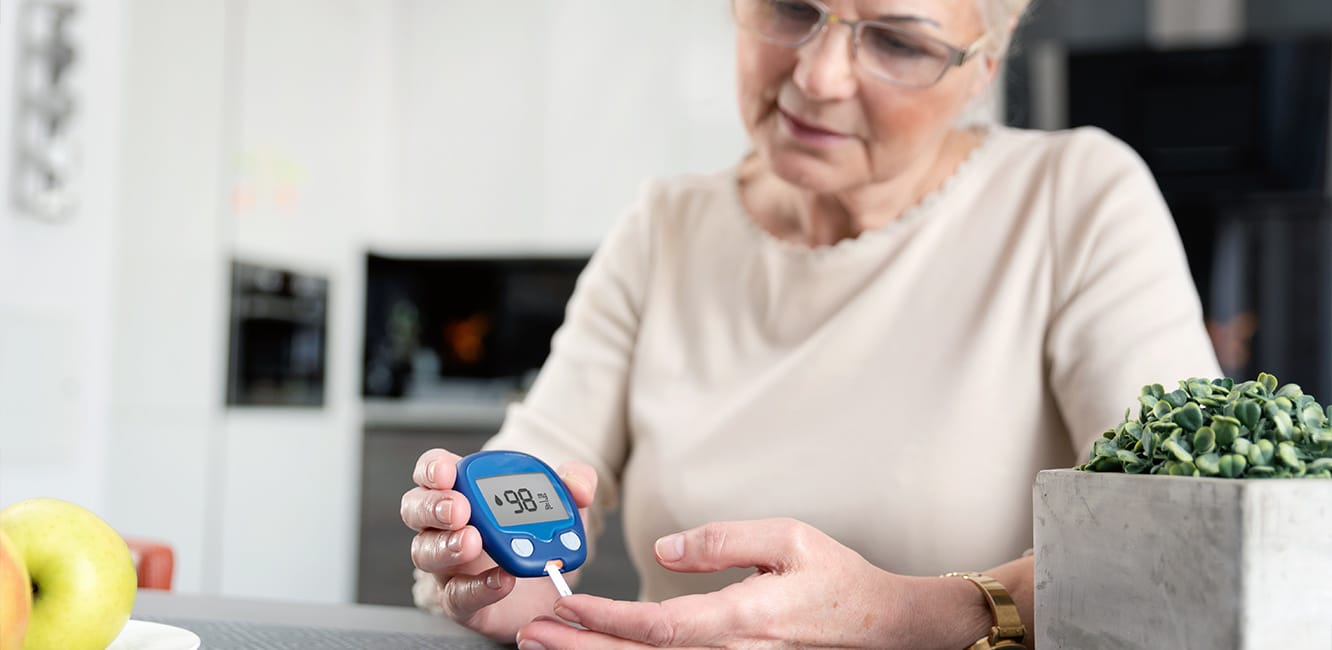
[
  {"x": 992, "y": 62},
  {"x": 990, "y": 68},
  {"x": 987, "y": 70}
]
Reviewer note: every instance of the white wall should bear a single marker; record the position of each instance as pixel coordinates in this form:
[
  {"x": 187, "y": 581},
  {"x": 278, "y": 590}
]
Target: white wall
[
  {"x": 285, "y": 103},
  {"x": 312, "y": 139},
  {"x": 56, "y": 290},
  {"x": 632, "y": 92},
  {"x": 468, "y": 83},
  {"x": 170, "y": 281},
  {"x": 257, "y": 132},
  {"x": 529, "y": 128}
]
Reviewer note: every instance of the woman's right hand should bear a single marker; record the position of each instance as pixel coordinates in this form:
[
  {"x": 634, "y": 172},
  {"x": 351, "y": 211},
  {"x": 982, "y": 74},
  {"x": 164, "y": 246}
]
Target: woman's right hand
[{"x": 474, "y": 591}]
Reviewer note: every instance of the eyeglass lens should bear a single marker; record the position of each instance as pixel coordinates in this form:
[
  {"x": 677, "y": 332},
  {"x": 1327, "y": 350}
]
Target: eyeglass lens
[{"x": 889, "y": 51}]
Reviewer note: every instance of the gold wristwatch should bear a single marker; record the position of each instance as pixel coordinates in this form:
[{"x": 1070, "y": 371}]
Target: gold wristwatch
[{"x": 1007, "y": 631}]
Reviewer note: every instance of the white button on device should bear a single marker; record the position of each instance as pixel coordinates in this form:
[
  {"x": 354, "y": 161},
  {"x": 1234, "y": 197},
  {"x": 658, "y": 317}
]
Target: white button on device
[
  {"x": 523, "y": 547},
  {"x": 571, "y": 541}
]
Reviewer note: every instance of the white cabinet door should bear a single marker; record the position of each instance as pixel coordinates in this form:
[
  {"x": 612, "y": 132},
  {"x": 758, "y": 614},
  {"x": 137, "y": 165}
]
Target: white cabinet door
[
  {"x": 633, "y": 91},
  {"x": 309, "y": 151},
  {"x": 530, "y": 127},
  {"x": 470, "y": 91}
]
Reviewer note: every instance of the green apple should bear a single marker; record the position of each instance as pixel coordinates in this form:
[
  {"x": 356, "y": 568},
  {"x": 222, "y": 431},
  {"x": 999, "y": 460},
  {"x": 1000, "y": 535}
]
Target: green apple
[
  {"x": 15, "y": 596},
  {"x": 83, "y": 579}
]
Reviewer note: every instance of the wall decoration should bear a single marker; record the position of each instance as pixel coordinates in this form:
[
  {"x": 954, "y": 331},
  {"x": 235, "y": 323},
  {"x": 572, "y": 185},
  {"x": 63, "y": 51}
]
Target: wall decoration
[{"x": 46, "y": 144}]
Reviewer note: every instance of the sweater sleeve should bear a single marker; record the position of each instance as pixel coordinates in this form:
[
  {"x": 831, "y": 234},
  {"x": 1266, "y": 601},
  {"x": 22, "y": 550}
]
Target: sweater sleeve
[
  {"x": 1125, "y": 312},
  {"x": 578, "y": 407}
]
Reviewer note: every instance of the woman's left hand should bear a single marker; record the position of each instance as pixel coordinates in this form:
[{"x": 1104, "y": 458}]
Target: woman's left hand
[{"x": 809, "y": 591}]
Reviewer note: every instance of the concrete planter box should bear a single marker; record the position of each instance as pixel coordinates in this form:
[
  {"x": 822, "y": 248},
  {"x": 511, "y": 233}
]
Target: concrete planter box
[{"x": 1154, "y": 562}]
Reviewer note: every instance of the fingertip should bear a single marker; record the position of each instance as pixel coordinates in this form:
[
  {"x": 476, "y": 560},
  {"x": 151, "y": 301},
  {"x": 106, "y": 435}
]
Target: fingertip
[
  {"x": 581, "y": 602},
  {"x": 465, "y": 595},
  {"x": 670, "y": 548},
  {"x": 581, "y": 479},
  {"x": 460, "y": 512},
  {"x": 566, "y": 612},
  {"x": 546, "y": 631},
  {"x": 498, "y": 579},
  {"x": 436, "y": 468},
  {"x": 470, "y": 547}
]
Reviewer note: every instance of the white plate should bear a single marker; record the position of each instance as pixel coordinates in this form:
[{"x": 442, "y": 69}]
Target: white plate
[{"x": 142, "y": 635}]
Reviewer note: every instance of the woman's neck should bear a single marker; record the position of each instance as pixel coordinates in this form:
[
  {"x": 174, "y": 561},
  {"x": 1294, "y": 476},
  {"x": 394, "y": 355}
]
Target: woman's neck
[{"x": 812, "y": 219}]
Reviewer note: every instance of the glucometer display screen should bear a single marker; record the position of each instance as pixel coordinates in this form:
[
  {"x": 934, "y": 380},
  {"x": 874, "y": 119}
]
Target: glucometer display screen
[{"x": 521, "y": 499}]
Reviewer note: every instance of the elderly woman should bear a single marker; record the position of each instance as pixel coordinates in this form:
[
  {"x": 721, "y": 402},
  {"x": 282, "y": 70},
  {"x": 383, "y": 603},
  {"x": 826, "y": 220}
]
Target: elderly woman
[{"x": 838, "y": 366}]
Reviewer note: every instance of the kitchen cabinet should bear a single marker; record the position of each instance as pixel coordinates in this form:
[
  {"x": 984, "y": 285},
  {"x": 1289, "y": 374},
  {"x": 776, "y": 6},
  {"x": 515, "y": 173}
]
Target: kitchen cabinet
[{"x": 533, "y": 134}]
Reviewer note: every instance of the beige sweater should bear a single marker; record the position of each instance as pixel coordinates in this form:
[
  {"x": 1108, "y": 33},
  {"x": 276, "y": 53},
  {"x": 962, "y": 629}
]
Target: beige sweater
[{"x": 899, "y": 390}]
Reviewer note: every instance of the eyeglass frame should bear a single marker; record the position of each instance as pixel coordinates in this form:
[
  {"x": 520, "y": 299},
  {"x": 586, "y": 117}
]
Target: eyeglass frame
[{"x": 957, "y": 56}]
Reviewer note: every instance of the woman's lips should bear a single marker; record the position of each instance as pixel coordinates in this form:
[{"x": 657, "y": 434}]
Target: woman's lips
[{"x": 809, "y": 133}]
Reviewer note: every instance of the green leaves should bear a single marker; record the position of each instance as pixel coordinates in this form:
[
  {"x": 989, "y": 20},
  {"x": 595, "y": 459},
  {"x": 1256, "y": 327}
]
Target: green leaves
[
  {"x": 1248, "y": 412},
  {"x": 1312, "y": 418},
  {"x": 1189, "y": 416},
  {"x": 1209, "y": 464},
  {"x": 1204, "y": 441},
  {"x": 1226, "y": 429},
  {"x": 1220, "y": 428},
  {"x": 1232, "y": 465},
  {"x": 1268, "y": 382},
  {"x": 1261, "y": 453},
  {"x": 1178, "y": 451},
  {"x": 1286, "y": 452},
  {"x": 1176, "y": 399},
  {"x": 1284, "y": 426}
]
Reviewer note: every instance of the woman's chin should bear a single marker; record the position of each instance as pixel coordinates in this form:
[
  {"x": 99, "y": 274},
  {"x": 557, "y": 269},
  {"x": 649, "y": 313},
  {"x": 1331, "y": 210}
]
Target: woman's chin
[{"x": 814, "y": 174}]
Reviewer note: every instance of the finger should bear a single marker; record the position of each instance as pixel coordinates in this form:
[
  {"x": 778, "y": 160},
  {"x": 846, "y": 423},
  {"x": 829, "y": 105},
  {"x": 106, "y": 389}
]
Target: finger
[
  {"x": 463, "y": 596},
  {"x": 769, "y": 544},
  {"x": 700, "y": 619},
  {"x": 437, "y": 469},
  {"x": 445, "y": 509},
  {"x": 439, "y": 551},
  {"x": 581, "y": 479},
  {"x": 554, "y": 634}
]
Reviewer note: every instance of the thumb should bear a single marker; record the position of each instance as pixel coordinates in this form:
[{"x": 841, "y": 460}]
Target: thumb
[
  {"x": 581, "y": 479},
  {"x": 773, "y": 545}
]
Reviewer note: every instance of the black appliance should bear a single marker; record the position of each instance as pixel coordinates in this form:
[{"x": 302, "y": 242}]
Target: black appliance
[
  {"x": 1214, "y": 123},
  {"x": 1238, "y": 140},
  {"x": 461, "y": 320},
  {"x": 278, "y": 337}
]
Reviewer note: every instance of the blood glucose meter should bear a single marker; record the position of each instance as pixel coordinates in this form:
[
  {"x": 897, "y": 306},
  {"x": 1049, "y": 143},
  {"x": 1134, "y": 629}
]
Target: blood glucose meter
[{"x": 529, "y": 524}]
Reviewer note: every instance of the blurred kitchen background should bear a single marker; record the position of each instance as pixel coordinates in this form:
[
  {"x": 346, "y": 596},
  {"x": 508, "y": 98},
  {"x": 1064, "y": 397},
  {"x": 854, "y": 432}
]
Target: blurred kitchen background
[{"x": 255, "y": 256}]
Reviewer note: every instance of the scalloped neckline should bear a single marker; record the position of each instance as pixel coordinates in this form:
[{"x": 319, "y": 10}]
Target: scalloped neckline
[{"x": 911, "y": 215}]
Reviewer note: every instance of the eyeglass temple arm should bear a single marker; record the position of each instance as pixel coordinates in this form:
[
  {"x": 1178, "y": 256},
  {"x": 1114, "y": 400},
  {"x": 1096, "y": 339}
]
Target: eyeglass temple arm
[{"x": 962, "y": 56}]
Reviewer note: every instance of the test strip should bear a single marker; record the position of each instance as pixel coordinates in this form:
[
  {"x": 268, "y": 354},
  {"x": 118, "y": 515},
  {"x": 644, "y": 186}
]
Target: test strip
[{"x": 553, "y": 570}]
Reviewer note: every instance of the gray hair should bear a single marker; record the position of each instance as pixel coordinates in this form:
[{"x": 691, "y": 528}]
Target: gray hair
[{"x": 999, "y": 17}]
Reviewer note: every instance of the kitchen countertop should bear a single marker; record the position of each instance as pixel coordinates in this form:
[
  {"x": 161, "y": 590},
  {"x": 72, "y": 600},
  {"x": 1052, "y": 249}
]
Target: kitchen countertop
[
  {"x": 434, "y": 413},
  {"x": 231, "y": 622}
]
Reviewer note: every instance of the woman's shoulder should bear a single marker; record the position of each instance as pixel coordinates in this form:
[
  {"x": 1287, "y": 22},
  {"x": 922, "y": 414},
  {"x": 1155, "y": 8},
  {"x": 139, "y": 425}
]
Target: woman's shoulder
[
  {"x": 1085, "y": 149},
  {"x": 685, "y": 202},
  {"x": 1070, "y": 167},
  {"x": 681, "y": 191},
  {"x": 670, "y": 212}
]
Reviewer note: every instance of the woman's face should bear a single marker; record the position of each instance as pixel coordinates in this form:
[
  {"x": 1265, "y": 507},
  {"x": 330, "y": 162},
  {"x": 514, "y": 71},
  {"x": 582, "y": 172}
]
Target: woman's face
[{"x": 826, "y": 124}]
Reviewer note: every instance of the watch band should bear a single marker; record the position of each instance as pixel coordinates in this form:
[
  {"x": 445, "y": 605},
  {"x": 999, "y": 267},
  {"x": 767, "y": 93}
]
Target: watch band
[{"x": 1007, "y": 631}]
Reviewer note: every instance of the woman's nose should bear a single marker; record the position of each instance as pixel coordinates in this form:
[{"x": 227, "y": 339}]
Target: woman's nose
[{"x": 824, "y": 67}]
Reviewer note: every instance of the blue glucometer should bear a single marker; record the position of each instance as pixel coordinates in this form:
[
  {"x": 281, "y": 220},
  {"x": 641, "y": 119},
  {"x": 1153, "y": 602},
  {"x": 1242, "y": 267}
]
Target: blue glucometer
[{"x": 528, "y": 518}]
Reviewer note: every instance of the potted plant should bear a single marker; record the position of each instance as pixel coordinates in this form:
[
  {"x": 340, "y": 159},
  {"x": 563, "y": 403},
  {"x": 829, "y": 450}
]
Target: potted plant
[{"x": 1176, "y": 534}]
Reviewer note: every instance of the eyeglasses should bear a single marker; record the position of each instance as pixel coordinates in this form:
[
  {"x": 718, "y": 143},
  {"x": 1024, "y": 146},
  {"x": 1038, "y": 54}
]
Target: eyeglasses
[{"x": 887, "y": 51}]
